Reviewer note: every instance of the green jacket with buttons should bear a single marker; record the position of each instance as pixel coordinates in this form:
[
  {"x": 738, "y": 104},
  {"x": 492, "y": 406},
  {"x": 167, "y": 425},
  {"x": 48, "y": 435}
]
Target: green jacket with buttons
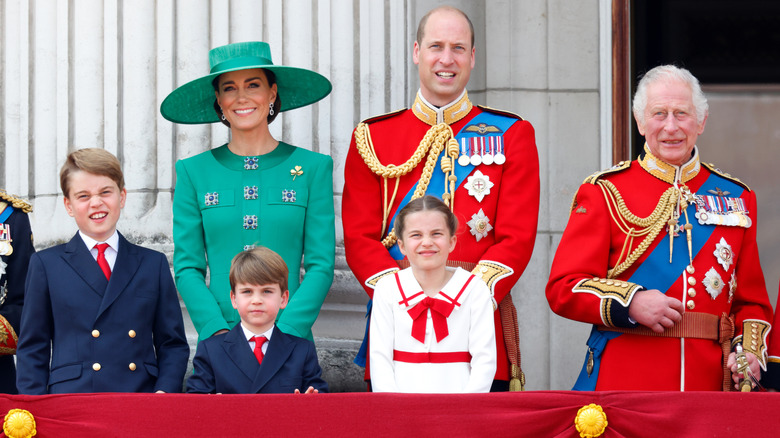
[{"x": 225, "y": 203}]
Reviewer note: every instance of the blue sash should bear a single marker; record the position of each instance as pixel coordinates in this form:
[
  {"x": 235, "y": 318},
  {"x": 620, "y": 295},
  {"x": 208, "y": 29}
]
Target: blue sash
[
  {"x": 6, "y": 213},
  {"x": 657, "y": 273},
  {"x": 436, "y": 188},
  {"x": 436, "y": 184}
]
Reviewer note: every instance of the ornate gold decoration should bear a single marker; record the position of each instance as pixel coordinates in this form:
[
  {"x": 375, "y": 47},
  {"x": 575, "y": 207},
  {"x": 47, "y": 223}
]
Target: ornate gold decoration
[
  {"x": 372, "y": 280},
  {"x": 449, "y": 114},
  {"x": 628, "y": 222},
  {"x": 15, "y": 201},
  {"x": 491, "y": 272},
  {"x": 591, "y": 421},
  {"x": 754, "y": 334},
  {"x": 431, "y": 145},
  {"x": 608, "y": 288},
  {"x": 8, "y": 338},
  {"x": 296, "y": 172},
  {"x": 670, "y": 173},
  {"x": 19, "y": 424}
]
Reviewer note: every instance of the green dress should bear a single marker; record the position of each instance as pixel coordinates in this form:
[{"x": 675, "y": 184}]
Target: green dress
[{"x": 225, "y": 203}]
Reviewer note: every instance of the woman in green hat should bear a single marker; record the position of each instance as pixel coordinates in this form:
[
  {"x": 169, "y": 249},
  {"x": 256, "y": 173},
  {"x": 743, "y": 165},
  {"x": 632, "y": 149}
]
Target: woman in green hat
[{"x": 254, "y": 190}]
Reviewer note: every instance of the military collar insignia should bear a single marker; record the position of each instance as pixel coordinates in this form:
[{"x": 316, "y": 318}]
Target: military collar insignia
[
  {"x": 668, "y": 172},
  {"x": 449, "y": 114}
]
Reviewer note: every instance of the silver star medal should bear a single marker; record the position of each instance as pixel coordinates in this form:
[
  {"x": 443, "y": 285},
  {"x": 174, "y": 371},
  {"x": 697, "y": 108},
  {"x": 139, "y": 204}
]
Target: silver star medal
[
  {"x": 724, "y": 254},
  {"x": 713, "y": 283},
  {"x": 479, "y": 225},
  {"x": 479, "y": 185},
  {"x": 2, "y": 267}
]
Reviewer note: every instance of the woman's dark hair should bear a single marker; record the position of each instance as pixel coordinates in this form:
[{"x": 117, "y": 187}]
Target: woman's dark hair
[
  {"x": 270, "y": 77},
  {"x": 426, "y": 203}
]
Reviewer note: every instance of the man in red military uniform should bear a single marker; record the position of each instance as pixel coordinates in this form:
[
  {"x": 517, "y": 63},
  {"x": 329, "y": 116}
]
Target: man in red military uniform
[
  {"x": 660, "y": 255},
  {"x": 482, "y": 162}
]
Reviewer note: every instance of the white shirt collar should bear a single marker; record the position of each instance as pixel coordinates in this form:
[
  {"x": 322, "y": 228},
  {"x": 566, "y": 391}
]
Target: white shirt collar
[
  {"x": 112, "y": 241},
  {"x": 249, "y": 334}
]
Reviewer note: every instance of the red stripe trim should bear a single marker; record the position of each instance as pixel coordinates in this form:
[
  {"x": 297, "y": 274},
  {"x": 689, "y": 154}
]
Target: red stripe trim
[
  {"x": 405, "y": 301},
  {"x": 431, "y": 357}
]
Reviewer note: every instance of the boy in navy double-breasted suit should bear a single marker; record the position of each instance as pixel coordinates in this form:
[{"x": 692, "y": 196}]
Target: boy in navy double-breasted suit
[
  {"x": 255, "y": 356},
  {"x": 100, "y": 314}
]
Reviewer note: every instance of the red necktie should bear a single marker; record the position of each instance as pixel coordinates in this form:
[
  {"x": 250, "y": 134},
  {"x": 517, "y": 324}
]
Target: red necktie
[
  {"x": 101, "y": 259},
  {"x": 259, "y": 341}
]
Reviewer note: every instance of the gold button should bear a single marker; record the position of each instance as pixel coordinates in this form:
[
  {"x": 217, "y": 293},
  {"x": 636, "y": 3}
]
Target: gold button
[
  {"x": 610, "y": 282},
  {"x": 131, "y": 333},
  {"x": 595, "y": 279},
  {"x": 690, "y": 269},
  {"x": 754, "y": 325},
  {"x": 691, "y": 304},
  {"x": 95, "y": 333},
  {"x": 603, "y": 280},
  {"x": 692, "y": 281},
  {"x": 483, "y": 269},
  {"x": 131, "y": 366},
  {"x": 96, "y": 366},
  {"x": 691, "y": 292}
]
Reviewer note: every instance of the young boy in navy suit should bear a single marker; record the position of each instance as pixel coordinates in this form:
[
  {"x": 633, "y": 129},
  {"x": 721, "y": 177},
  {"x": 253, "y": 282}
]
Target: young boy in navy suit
[
  {"x": 255, "y": 356},
  {"x": 100, "y": 314}
]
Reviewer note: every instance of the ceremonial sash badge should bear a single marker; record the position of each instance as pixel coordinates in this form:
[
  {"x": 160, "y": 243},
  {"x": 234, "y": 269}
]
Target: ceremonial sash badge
[
  {"x": 479, "y": 225},
  {"x": 479, "y": 185}
]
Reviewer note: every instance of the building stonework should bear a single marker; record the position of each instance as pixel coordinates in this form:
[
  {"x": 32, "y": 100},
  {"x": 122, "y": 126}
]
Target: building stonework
[{"x": 93, "y": 74}]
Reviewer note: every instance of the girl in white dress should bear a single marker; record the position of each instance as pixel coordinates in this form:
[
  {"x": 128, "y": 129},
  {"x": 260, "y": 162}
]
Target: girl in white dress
[{"x": 431, "y": 327}]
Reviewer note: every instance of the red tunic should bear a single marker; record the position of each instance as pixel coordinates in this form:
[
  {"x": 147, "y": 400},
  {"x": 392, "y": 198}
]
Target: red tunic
[
  {"x": 731, "y": 283},
  {"x": 511, "y": 206}
]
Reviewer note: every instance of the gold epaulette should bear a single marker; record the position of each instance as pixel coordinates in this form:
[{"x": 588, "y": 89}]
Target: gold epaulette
[
  {"x": 619, "y": 167},
  {"x": 384, "y": 116},
  {"x": 15, "y": 201},
  {"x": 500, "y": 112},
  {"x": 711, "y": 167}
]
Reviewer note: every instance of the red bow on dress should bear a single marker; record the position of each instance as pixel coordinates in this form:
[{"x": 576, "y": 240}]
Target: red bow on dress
[{"x": 440, "y": 310}]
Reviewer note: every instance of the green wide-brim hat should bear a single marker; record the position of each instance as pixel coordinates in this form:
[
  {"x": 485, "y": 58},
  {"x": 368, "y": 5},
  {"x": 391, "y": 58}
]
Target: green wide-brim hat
[{"x": 193, "y": 102}]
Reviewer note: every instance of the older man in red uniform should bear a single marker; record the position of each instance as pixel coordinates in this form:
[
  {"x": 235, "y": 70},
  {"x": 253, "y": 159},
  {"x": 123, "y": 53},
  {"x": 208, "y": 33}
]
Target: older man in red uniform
[
  {"x": 482, "y": 162},
  {"x": 660, "y": 255}
]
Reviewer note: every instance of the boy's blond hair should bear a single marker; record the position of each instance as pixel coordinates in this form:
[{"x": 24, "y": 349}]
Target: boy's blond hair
[
  {"x": 258, "y": 266},
  {"x": 91, "y": 160}
]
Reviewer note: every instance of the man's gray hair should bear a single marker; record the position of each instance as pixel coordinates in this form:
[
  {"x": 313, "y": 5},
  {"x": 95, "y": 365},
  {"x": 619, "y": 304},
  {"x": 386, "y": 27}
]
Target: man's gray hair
[{"x": 667, "y": 72}]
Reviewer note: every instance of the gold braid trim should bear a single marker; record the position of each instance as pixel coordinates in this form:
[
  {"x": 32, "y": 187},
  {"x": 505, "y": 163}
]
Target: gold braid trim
[
  {"x": 15, "y": 201},
  {"x": 649, "y": 226},
  {"x": 431, "y": 144}
]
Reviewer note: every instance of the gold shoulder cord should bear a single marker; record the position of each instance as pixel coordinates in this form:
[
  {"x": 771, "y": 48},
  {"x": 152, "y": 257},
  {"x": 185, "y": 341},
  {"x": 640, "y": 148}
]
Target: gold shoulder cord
[
  {"x": 432, "y": 145},
  {"x": 649, "y": 226}
]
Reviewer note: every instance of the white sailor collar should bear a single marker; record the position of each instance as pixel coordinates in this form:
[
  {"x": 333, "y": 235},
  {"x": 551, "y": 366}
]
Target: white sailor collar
[{"x": 410, "y": 291}]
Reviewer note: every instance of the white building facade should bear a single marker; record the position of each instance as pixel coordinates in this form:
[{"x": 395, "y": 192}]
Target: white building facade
[{"x": 92, "y": 73}]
